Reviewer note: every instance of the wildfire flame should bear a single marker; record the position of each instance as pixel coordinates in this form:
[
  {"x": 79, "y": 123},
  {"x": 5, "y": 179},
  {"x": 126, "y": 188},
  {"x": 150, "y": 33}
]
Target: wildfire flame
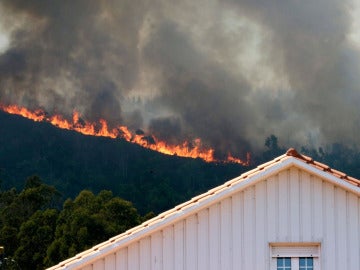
[{"x": 193, "y": 149}]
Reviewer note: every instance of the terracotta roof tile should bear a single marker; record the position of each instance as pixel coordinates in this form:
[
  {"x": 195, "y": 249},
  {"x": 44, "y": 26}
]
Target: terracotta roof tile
[
  {"x": 292, "y": 152},
  {"x": 338, "y": 173},
  {"x": 353, "y": 180}
]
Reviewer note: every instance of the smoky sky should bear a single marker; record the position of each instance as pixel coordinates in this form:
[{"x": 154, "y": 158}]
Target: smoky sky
[{"x": 230, "y": 72}]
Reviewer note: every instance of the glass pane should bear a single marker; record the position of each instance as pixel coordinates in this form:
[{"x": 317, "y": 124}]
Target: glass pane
[
  {"x": 306, "y": 264},
  {"x": 283, "y": 264}
]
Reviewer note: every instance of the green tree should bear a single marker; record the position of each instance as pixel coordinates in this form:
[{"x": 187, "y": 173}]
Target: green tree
[
  {"x": 17, "y": 208},
  {"x": 35, "y": 196},
  {"x": 35, "y": 235},
  {"x": 88, "y": 220}
]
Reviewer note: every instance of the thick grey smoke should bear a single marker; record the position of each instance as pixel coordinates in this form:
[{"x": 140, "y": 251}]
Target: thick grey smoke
[{"x": 229, "y": 72}]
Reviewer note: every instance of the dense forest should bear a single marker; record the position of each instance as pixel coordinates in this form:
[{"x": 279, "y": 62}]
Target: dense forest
[
  {"x": 36, "y": 232},
  {"x": 62, "y": 192}
]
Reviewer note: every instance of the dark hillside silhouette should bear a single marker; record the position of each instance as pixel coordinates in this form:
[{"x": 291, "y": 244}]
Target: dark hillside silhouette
[{"x": 72, "y": 162}]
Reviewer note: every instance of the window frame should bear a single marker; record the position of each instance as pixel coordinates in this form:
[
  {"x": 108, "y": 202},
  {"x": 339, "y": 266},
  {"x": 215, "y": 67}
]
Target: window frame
[{"x": 294, "y": 251}]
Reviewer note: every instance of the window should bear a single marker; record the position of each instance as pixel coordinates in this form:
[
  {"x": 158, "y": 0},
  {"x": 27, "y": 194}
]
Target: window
[
  {"x": 295, "y": 256},
  {"x": 285, "y": 263},
  {"x": 306, "y": 263}
]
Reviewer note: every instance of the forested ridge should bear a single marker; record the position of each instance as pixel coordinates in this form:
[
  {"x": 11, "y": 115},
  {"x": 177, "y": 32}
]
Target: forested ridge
[
  {"x": 72, "y": 162},
  {"x": 62, "y": 192}
]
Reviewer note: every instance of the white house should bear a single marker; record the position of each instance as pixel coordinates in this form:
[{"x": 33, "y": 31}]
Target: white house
[{"x": 289, "y": 213}]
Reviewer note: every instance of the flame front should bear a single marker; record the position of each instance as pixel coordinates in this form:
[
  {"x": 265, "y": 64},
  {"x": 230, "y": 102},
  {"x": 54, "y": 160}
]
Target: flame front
[{"x": 193, "y": 149}]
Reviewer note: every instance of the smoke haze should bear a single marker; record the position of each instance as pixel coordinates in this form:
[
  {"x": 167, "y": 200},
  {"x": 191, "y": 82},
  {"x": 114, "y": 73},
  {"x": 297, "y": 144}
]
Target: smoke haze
[{"x": 230, "y": 72}]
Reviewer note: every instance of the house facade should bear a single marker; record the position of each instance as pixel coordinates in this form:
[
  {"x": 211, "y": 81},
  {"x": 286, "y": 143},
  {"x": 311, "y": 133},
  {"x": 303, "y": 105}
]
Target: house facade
[{"x": 290, "y": 213}]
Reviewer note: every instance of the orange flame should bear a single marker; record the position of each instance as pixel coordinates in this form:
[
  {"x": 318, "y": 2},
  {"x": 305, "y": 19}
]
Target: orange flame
[{"x": 193, "y": 149}]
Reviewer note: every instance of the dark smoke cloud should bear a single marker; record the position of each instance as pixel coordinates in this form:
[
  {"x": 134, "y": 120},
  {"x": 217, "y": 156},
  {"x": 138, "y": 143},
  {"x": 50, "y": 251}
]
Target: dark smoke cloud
[{"x": 229, "y": 72}]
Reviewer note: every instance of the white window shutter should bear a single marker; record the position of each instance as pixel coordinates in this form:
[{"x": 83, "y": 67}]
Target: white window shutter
[{"x": 295, "y": 251}]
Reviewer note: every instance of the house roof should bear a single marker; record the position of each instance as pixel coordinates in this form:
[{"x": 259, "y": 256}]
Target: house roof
[{"x": 290, "y": 158}]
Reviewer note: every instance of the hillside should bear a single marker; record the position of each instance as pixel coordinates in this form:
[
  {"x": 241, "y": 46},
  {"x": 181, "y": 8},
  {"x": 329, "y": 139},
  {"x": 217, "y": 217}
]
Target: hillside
[
  {"x": 152, "y": 181},
  {"x": 73, "y": 162}
]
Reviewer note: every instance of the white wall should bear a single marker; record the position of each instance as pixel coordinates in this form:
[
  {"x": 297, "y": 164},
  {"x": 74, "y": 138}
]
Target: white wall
[{"x": 235, "y": 233}]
